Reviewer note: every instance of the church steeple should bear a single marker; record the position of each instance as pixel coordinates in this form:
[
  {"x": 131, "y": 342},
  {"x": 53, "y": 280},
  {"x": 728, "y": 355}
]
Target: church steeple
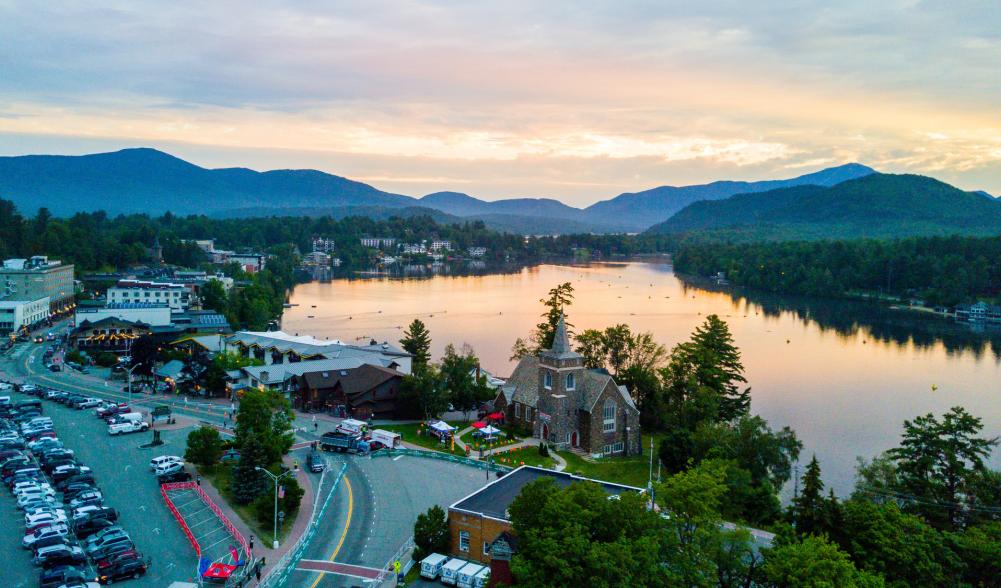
[{"x": 561, "y": 342}]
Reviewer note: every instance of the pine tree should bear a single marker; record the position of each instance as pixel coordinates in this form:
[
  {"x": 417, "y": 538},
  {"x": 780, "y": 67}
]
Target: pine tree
[
  {"x": 417, "y": 342},
  {"x": 718, "y": 367},
  {"x": 808, "y": 508},
  {"x": 559, "y": 298},
  {"x": 248, "y": 483}
]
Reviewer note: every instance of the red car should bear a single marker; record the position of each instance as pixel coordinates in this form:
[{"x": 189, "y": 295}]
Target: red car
[
  {"x": 118, "y": 557},
  {"x": 113, "y": 410}
]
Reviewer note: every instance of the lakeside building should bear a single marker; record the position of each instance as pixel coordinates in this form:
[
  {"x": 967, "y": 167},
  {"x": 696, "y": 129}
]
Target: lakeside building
[
  {"x": 570, "y": 406},
  {"x": 979, "y": 312},
  {"x": 440, "y": 245},
  {"x": 174, "y": 295},
  {"x": 37, "y": 277},
  {"x": 18, "y": 314},
  {"x": 249, "y": 262},
  {"x": 480, "y": 525},
  {"x": 322, "y": 245},
  {"x": 477, "y": 251},
  {"x": 377, "y": 242}
]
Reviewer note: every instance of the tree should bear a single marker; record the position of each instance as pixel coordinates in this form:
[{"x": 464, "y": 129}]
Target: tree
[
  {"x": 808, "y": 509},
  {"x": 106, "y": 359},
  {"x": 591, "y": 346},
  {"x": 465, "y": 390},
  {"x": 576, "y": 536},
  {"x": 417, "y": 342},
  {"x": 424, "y": 393},
  {"x": 248, "y": 483},
  {"x": 264, "y": 505},
  {"x": 813, "y": 563},
  {"x": 214, "y": 296},
  {"x": 431, "y": 534},
  {"x": 264, "y": 419},
  {"x": 204, "y": 446},
  {"x": 979, "y": 547},
  {"x": 936, "y": 462},
  {"x": 717, "y": 367},
  {"x": 559, "y": 298}
]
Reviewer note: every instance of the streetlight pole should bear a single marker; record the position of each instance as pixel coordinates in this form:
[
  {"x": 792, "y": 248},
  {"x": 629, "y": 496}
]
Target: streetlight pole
[{"x": 277, "y": 478}]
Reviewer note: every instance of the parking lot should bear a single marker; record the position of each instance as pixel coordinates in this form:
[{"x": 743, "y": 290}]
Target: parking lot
[{"x": 121, "y": 470}]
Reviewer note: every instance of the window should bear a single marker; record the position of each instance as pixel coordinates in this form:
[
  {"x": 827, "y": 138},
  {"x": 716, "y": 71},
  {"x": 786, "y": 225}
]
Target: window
[
  {"x": 486, "y": 548},
  {"x": 608, "y": 417},
  {"x": 528, "y": 413},
  {"x": 547, "y": 381},
  {"x": 570, "y": 382},
  {"x": 464, "y": 541},
  {"x": 517, "y": 410},
  {"x": 612, "y": 448}
]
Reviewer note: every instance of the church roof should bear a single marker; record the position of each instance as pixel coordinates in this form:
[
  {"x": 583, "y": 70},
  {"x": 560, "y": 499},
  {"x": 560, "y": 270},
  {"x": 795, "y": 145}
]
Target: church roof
[
  {"x": 561, "y": 348},
  {"x": 523, "y": 385}
]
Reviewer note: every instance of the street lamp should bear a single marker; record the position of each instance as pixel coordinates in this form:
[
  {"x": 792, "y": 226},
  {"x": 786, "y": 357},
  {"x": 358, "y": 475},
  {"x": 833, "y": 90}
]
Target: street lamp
[{"x": 276, "y": 479}]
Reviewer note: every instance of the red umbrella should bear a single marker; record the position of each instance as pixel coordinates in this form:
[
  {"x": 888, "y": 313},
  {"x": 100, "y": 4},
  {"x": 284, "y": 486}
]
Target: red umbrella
[
  {"x": 478, "y": 425},
  {"x": 496, "y": 416}
]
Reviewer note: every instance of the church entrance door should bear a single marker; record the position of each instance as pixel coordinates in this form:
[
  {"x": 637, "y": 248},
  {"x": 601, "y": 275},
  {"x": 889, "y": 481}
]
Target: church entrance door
[
  {"x": 574, "y": 441},
  {"x": 545, "y": 432}
]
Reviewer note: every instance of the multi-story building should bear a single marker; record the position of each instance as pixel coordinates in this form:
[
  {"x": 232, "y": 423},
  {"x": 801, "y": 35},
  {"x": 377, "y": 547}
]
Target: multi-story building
[
  {"x": 322, "y": 245},
  {"x": 29, "y": 280},
  {"x": 415, "y": 248},
  {"x": 441, "y": 245},
  {"x": 176, "y": 296},
  {"x": 249, "y": 262},
  {"x": 377, "y": 242},
  {"x": 15, "y": 314},
  {"x": 154, "y": 314}
]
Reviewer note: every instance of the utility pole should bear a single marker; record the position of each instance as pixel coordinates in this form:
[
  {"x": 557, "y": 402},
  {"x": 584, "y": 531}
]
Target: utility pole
[{"x": 276, "y": 479}]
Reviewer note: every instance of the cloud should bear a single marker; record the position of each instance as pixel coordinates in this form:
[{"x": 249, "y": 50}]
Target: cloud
[{"x": 569, "y": 99}]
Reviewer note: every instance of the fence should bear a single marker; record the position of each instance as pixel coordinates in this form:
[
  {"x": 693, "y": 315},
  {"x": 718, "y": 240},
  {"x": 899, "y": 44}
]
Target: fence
[
  {"x": 284, "y": 567},
  {"x": 476, "y": 463},
  {"x": 164, "y": 488}
]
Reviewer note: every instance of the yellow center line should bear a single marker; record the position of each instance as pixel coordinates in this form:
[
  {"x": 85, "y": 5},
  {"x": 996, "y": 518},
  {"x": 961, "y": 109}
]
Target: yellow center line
[{"x": 344, "y": 534}]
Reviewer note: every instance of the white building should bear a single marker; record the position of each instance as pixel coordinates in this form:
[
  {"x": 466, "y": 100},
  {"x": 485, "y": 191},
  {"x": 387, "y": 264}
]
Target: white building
[
  {"x": 316, "y": 259},
  {"x": 322, "y": 245},
  {"x": 15, "y": 314},
  {"x": 439, "y": 245},
  {"x": 150, "y": 313},
  {"x": 415, "y": 248},
  {"x": 377, "y": 242},
  {"x": 477, "y": 251},
  {"x": 249, "y": 262},
  {"x": 176, "y": 296}
]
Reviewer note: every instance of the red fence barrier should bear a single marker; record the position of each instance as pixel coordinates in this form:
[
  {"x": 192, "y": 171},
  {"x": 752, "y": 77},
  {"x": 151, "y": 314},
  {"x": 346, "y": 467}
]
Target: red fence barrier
[{"x": 164, "y": 488}]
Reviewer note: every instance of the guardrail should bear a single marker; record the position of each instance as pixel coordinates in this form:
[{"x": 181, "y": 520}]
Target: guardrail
[
  {"x": 476, "y": 463},
  {"x": 284, "y": 567}
]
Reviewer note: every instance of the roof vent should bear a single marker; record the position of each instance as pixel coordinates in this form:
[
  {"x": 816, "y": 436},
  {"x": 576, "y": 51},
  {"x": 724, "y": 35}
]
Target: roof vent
[{"x": 344, "y": 372}]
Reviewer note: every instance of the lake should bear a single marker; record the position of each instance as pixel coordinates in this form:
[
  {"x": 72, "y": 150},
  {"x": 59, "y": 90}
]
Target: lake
[{"x": 843, "y": 374}]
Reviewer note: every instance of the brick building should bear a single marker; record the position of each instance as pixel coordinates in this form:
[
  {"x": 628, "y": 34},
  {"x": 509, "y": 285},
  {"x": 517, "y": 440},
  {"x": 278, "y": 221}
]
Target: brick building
[
  {"x": 480, "y": 521},
  {"x": 569, "y": 406}
]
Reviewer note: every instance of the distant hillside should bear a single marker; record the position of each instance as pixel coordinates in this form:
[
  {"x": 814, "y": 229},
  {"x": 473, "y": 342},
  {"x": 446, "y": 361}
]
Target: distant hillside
[
  {"x": 339, "y": 212},
  {"x": 640, "y": 210},
  {"x": 877, "y": 205},
  {"x": 147, "y": 180},
  {"x": 150, "y": 181}
]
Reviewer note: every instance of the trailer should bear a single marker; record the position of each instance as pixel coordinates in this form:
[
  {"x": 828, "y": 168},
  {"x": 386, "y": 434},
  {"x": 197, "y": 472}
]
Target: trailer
[
  {"x": 386, "y": 438},
  {"x": 450, "y": 571},
  {"x": 334, "y": 441},
  {"x": 467, "y": 575},
  {"x": 431, "y": 566}
]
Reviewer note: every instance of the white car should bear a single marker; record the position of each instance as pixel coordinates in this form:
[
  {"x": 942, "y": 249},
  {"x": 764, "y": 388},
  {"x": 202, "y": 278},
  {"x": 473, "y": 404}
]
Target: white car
[
  {"x": 58, "y": 530},
  {"x": 21, "y": 487},
  {"x": 168, "y": 468},
  {"x": 127, "y": 427},
  {"x": 158, "y": 461},
  {"x": 51, "y": 516},
  {"x": 90, "y": 403},
  {"x": 86, "y": 497}
]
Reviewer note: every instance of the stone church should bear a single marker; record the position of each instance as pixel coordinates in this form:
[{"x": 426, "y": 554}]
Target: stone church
[{"x": 569, "y": 406}]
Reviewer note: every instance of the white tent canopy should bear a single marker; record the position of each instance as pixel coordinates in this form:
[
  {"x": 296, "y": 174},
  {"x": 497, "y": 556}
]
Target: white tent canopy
[
  {"x": 490, "y": 430},
  {"x": 442, "y": 426}
]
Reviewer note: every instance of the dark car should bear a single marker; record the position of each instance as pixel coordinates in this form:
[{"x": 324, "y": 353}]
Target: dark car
[
  {"x": 128, "y": 568},
  {"x": 59, "y": 555},
  {"x": 60, "y": 575},
  {"x": 314, "y": 462},
  {"x": 101, "y": 513},
  {"x": 90, "y": 526},
  {"x": 178, "y": 476},
  {"x": 50, "y": 541},
  {"x": 113, "y": 547},
  {"x": 86, "y": 478}
]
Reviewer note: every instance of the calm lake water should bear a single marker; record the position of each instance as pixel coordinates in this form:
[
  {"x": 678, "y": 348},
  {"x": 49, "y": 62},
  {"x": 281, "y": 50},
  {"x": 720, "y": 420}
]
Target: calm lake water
[{"x": 844, "y": 375}]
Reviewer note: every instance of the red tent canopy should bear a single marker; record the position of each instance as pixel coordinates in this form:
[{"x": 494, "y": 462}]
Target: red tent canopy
[
  {"x": 219, "y": 570},
  {"x": 478, "y": 425},
  {"x": 496, "y": 416}
]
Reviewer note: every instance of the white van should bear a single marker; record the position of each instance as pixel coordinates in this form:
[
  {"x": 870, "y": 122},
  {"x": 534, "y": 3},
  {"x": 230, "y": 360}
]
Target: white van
[
  {"x": 352, "y": 427},
  {"x": 431, "y": 566},
  {"x": 464, "y": 579},
  {"x": 128, "y": 417},
  {"x": 126, "y": 427},
  {"x": 386, "y": 438},
  {"x": 450, "y": 571}
]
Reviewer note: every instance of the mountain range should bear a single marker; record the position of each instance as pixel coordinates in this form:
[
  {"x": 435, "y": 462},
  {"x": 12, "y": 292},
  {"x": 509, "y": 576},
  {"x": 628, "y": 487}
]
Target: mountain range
[
  {"x": 876, "y": 206},
  {"x": 151, "y": 181}
]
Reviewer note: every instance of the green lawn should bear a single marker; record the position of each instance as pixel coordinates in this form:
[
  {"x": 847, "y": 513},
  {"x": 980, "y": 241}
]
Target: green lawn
[
  {"x": 221, "y": 476},
  {"x": 633, "y": 471},
  {"x": 409, "y": 432},
  {"x": 523, "y": 456}
]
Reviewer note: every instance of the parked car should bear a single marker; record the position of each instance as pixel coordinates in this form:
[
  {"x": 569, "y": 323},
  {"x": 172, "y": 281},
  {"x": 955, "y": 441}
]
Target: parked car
[
  {"x": 59, "y": 554},
  {"x": 58, "y": 530},
  {"x": 126, "y": 568},
  {"x": 168, "y": 468},
  {"x": 127, "y": 427},
  {"x": 157, "y": 461},
  {"x": 88, "y": 527},
  {"x": 61, "y": 575},
  {"x": 178, "y": 476}
]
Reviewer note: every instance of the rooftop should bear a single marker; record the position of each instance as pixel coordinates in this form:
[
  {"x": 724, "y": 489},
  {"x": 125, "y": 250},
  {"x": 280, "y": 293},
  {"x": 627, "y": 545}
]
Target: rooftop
[{"x": 494, "y": 499}]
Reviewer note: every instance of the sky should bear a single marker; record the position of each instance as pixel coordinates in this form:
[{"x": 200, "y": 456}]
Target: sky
[{"x": 576, "y": 100}]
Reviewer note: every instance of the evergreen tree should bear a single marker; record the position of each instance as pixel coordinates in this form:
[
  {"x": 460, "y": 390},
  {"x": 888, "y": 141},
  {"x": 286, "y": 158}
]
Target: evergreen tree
[
  {"x": 417, "y": 342},
  {"x": 248, "y": 483},
  {"x": 808, "y": 509},
  {"x": 431, "y": 533},
  {"x": 204, "y": 446},
  {"x": 559, "y": 298}
]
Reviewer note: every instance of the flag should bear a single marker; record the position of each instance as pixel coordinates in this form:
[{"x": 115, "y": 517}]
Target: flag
[
  {"x": 281, "y": 492},
  {"x": 234, "y": 554}
]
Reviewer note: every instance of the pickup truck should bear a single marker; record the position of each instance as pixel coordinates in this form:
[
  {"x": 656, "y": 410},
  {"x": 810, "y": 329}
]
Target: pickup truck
[
  {"x": 127, "y": 427},
  {"x": 334, "y": 441}
]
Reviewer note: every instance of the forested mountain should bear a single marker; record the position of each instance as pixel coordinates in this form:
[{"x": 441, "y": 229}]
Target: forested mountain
[
  {"x": 147, "y": 180},
  {"x": 641, "y": 209},
  {"x": 877, "y": 206}
]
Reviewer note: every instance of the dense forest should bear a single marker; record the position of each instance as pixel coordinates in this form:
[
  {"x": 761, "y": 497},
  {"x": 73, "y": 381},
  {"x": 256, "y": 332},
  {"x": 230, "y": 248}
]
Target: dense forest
[{"x": 939, "y": 270}]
